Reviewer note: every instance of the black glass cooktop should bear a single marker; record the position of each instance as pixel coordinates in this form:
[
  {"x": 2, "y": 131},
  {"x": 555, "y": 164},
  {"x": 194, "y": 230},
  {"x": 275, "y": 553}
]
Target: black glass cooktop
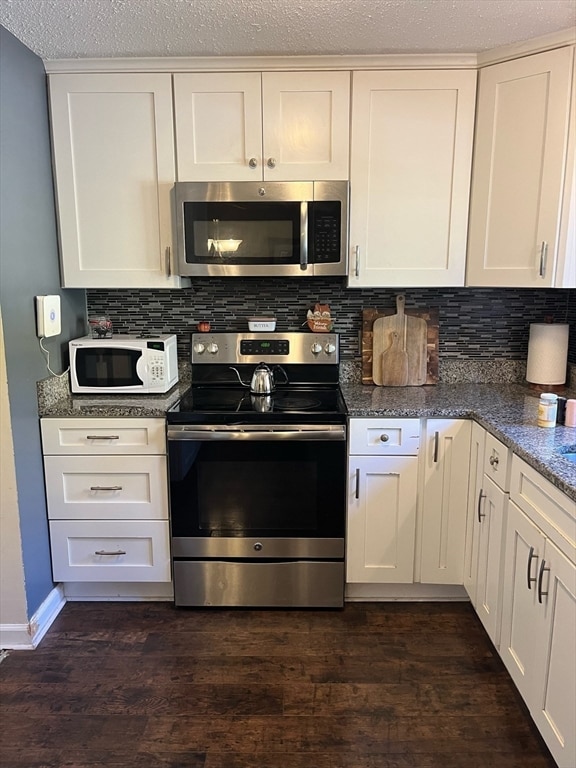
[{"x": 206, "y": 404}]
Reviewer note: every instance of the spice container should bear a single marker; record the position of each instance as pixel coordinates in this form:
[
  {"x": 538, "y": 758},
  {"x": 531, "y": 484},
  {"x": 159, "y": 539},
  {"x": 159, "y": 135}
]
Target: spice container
[{"x": 547, "y": 408}]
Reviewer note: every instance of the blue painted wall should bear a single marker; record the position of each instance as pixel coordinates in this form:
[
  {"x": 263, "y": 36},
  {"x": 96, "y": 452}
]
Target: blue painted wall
[{"x": 29, "y": 267}]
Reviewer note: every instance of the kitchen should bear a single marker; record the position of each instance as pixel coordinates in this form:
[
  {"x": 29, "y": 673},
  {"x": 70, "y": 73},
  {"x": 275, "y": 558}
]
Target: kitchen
[{"x": 495, "y": 321}]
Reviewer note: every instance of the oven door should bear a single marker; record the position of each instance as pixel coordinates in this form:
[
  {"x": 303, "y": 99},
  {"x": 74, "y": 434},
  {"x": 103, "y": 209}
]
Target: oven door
[{"x": 257, "y": 491}]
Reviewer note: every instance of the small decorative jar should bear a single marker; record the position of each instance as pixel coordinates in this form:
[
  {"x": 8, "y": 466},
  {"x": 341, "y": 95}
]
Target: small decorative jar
[{"x": 547, "y": 408}]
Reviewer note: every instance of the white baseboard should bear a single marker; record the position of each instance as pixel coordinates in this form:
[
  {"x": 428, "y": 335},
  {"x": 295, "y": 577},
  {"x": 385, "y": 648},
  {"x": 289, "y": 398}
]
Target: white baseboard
[
  {"x": 26, "y": 637},
  {"x": 404, "y": 592},
  {"x": 112, "y": 591}
]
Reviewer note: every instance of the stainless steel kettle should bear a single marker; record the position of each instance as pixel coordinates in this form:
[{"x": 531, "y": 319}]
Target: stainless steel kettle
[{"x": 262, "y": 382}]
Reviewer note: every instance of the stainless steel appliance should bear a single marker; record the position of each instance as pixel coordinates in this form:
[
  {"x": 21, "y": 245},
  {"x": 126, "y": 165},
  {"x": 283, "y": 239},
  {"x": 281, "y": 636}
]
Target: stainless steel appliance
[
  {"x": 258, "y": 481},
  {"x": 283, "y": 229}
]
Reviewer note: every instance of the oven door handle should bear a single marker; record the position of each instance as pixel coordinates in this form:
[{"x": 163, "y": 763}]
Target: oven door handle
[{"x": 257, "y": 432}]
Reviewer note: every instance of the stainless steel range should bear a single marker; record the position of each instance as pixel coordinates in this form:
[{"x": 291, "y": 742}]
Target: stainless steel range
[{"x": 257, "y": 452}]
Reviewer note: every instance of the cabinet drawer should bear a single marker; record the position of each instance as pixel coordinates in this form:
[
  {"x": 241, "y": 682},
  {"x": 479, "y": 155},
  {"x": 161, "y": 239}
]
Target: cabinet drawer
[
  {"x": 544, "y": 504},
  {"x": 497, "y": 462},
  {"x": 106, "y": 487},
  {"x": 390, "y": 437},
  {"x": 103, "y": 436},
  {"x": 93, "y": 550}
]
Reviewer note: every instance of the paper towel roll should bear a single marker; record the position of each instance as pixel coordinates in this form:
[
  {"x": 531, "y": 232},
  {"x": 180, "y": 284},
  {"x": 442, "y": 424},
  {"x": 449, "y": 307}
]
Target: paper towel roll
[{"x": 547, "y": 353}]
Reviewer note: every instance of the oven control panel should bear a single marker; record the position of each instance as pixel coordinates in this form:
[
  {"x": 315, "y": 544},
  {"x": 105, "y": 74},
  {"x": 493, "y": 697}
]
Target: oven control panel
[
  {"x": 289, "y": 347},
  {"x": 264, "y": 347}
]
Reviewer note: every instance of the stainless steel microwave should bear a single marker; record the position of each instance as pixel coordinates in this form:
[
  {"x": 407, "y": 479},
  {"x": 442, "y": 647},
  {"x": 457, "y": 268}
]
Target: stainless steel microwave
[{"x": 272, "y": 229}]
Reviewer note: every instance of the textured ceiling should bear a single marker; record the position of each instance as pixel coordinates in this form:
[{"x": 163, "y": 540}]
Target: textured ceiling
[{"x": 57, "y": 29}]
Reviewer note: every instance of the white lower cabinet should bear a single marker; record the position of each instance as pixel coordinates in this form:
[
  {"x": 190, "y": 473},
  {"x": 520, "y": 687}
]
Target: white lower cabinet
[
  {"x": 446, "y": 462},
  {"x": 382, "y": 494},
  {"x": 487, "y": 510},
  {"x": 538, "y": 642},
  {"x": 107, "y": 499}
]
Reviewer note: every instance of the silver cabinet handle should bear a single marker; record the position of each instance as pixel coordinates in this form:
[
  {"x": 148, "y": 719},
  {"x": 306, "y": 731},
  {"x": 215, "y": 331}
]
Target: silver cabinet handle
[
  {"x": 494, "y": 461},
  {"x": 436, "y": 446},
  {"x": 253, "y": 163},
  {"x": 357, "y": 494},
  {"x": 110, "y": 554},
  {"x": 384, "y": 438},
  {"x": 541, "y": 573},
  {"x": 271, "y": 163},
  {"x": 168, "y": 262},
  {"x": 357, "y": 260},
  {"x": 102, "y": 437},
  {"x": 105, "y": 487},
  {"x": 543, "y": 258},
  {"x": 531, "y": 580},
  {"x": 481, "y": 496}
]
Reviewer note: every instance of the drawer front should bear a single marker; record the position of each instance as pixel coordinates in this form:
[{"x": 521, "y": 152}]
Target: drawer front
[
  {"x": 93, "y": 550},
  {"x": 384, "y": 437},
  {"x": 106, "y": 487},
  {"x": 103, "y": 436},
  {"x": 550, "y": 509},
  {"x": 497, "y": 462}
]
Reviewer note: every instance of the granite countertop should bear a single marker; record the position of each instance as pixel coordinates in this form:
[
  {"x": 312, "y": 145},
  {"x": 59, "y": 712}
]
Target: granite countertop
[{"x": 508, "y": 411}]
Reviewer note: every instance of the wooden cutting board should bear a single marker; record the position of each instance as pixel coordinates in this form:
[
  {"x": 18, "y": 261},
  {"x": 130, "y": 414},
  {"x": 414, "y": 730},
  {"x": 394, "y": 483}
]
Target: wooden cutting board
[
  {"x": 416, "y": 354},
  {"x": 399, "y": 349}
]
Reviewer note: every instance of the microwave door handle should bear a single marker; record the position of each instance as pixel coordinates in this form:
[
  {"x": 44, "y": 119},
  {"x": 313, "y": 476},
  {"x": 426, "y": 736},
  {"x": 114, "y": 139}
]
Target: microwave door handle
[
  {"x": 142, "y": 368},
  {"x": 303, "y": 236}
]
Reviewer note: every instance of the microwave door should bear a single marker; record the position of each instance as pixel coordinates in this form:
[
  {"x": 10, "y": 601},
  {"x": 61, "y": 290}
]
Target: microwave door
[{"x": 108, "y": 368}]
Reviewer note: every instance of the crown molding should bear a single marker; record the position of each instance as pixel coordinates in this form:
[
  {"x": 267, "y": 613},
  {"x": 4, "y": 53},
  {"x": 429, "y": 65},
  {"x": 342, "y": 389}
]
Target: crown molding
[
  {"x": 528, "y": 47},
  {"x": 262, "y": 63}
]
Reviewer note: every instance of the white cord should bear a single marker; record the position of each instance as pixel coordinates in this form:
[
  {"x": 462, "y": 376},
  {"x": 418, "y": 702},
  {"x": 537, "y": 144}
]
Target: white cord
[{"x": 47, "y": 355}]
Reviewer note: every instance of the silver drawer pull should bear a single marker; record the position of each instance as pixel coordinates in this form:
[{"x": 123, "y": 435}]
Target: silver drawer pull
[
  {"x": 105, "y": 487},
  {"x": 384, "y": 438},
  {"x": 494, "y": 461},
  {"x": 111, "y": 554},
  {"x": 102, "y": 437}
]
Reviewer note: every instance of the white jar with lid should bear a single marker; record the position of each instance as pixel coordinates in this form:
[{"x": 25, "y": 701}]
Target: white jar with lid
[{"x": 547, "y": 408}]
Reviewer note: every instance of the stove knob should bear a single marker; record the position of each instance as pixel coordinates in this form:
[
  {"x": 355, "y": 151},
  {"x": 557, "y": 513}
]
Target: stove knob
[
  {"x": 199, "y": 347},
  {"x": 212, "y": 348},
  {"x": 316, "y": 348},
  {"x": 330, "y": 349}
]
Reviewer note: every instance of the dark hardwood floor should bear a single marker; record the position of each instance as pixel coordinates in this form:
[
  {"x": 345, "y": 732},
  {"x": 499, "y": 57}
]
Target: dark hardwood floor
[{"x": 377, "y": 685}]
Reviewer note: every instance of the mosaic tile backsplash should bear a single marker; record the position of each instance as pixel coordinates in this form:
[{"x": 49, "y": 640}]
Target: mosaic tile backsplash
[{"x": 474, "y": 324}]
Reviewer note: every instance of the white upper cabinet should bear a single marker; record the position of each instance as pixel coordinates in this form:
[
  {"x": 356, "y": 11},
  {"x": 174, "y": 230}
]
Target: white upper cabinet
[
  {"x": 522, "y": 205},
  {"x": 411, "y": 155},
  {"x": 246, "y": 126},
  {"x": 114, "y": 168}
]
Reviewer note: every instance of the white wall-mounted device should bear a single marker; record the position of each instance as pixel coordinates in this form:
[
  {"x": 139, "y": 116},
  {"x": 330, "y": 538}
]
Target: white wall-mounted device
[{"x": 48, "y": 316}]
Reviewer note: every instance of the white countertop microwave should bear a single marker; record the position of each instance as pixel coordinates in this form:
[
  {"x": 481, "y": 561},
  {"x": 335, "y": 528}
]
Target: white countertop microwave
[{"x": 123, "y": 364}]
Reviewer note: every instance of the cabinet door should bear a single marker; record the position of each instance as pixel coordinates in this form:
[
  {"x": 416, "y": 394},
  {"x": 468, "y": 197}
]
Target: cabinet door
[
  {"x": 554, "y": 705},
  {"x": 492, "y": 515},
  {"x": 410, "y": 163},
  {"x": 381, "y": 519},
  {"x": 218, "y": 117},
  {"x": 473, "y": 519},
  {"x": 114, "y": 169},
  {"x": 523, "y": 553},
  {"x": 519, "y": 167},
  {"x": 444, "y": 501},
  {"x": 306, "y": 118}
]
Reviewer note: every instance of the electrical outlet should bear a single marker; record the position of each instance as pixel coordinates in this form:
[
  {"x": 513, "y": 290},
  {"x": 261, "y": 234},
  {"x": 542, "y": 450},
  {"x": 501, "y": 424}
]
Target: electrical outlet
[{"x": 48, "y": 316}]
